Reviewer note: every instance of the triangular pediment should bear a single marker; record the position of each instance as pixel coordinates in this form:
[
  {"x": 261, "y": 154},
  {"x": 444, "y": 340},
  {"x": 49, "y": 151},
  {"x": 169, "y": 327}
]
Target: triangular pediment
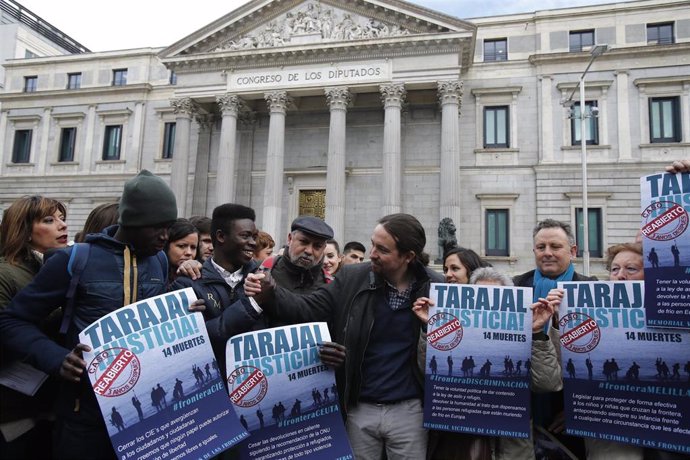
[{"x": 275, "y": 24}]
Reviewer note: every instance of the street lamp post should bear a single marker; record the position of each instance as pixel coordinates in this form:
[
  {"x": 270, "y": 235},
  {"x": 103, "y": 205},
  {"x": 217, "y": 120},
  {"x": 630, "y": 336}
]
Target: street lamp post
[{"x": 596, "y": 52}]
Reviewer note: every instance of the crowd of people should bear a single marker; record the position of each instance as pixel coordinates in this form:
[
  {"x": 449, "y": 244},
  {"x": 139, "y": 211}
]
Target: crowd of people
[{"x": 376, "y": 311}]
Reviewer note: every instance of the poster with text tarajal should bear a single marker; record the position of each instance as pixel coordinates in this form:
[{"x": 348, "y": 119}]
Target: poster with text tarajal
[
  {"x": 623, "y": 381},
  {"x": 284, "y": 396},
  {"x": 158, "y": 383},
  {"x": 478, "y": 358},
  {"x": 666, "y": 244}
]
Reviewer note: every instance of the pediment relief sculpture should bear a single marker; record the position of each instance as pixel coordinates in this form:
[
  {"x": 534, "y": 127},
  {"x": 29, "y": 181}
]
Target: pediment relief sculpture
[{"x": 312, "y": 23}]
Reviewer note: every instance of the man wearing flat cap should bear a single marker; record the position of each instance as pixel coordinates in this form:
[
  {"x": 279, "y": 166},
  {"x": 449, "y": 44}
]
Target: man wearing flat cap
[{"x": 300, "y": 270}]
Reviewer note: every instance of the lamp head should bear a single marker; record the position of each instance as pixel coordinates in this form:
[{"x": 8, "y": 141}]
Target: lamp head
[{"x": 598, "y": 50}]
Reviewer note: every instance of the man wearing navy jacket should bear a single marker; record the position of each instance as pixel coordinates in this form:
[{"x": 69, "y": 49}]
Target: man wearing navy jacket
[{"x": 123, "y": 267}]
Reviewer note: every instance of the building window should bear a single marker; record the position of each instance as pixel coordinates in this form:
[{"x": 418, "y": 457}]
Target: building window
[
  {"x": 68, "y": 138},
  {"x": 591, "y": 123},
  {"x": 497, "y": 232},
  {"x": 595, "y": 232},
  {"x": 119, "y": 77},
  {"x": 660, "y": 34},
  {"x": 173, "y": 77},
  {"x": 21, "y": 152},
  {"x": 581, "y": 40},
  {"x": 496, "y": 50},
  {"x": 30, "y": 84},
  {"x": 168, "y": 140},
  {"x": 74, "y": 80},
  {"x": 664, "y": 119},
  {"x": 112, "y": 142},
  {"x": 496, "y": 127},
  {"x": 29, "y": 54}
]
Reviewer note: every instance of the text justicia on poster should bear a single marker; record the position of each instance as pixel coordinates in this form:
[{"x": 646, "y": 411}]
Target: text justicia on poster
[
  {"x": 480, "y": 307},
  {"x": 145, "y": 325},
  {"x": 280, "y": 350},
  {"x": 609, "y": 304}
]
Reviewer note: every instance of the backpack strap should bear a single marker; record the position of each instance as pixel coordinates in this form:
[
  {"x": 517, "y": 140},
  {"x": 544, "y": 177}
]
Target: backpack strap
[
  {"x": 163, "y": 260},
  {"x": 75, "y": 266}
]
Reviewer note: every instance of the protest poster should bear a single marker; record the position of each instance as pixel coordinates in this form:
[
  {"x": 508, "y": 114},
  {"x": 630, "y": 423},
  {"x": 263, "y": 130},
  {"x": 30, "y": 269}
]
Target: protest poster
[
  {"x": 284, "y": 396},
  {"x": 623, "y": 381},
  {"x": 157, "y": 381},
  {"x": 478, "y": 358},
  {"x": 665, "y": 200}
]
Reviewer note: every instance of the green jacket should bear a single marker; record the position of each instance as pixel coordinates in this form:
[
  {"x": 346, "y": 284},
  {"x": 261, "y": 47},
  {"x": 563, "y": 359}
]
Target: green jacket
[{"x": 13, "y": 278}]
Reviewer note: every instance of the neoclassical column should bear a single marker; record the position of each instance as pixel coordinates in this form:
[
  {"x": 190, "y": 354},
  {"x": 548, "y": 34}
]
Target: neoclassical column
[
  {"x": 392, "y": 96},
  {"x": 338, "y": 100},
  {"x": 206, "y": 124},
  {"x": 184, "y": 109},
  {"x": 227, "y": 150},
  {"x": 273, "y": 185},
  {"x": 450, "y": 98}
]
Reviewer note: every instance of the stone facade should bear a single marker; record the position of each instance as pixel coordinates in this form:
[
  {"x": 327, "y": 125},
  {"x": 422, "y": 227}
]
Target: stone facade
[{"x": 381, "y": 107}]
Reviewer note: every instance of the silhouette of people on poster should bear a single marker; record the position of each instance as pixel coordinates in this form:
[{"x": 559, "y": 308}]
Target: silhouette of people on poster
[
  {"x": 116, "y": 420},
  {"x": 590, "y": 368},
  {"x": 137, "y": 405},
  {"x": 676, "y": 255},
  {"x": 485, "y": 370},
  {"x": 570, "y": 368},
  {"x": 653, "y": 258},
  {"x": 178, "y": 392},
  {"x": 155, "y": 399},
  {"x": 260, "y": 416},
  {"x": 161, "y": 394}
]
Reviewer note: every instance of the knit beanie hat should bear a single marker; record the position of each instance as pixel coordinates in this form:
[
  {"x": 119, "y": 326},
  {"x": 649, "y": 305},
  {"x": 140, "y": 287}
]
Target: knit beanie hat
[{"x": 146, "y": 201}]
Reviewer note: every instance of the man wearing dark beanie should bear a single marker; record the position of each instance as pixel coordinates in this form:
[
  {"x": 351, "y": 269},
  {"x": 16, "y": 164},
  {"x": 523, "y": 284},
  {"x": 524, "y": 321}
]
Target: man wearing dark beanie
[{"x": 124, "y": 264}]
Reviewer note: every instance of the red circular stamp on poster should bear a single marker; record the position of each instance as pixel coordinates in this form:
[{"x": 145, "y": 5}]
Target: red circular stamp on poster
[
  {"x": 670, "y": 223},
  {"x": 581, "y": 334},
  {"x": 116, "y": 371},
  {"x": 248, "y": 385},
  {"x": 445, "y": 331}
]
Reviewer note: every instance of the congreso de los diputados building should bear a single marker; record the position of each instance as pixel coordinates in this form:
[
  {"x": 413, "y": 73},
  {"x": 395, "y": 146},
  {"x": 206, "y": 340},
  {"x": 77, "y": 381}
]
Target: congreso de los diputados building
[{"x": 354, "y": 109}]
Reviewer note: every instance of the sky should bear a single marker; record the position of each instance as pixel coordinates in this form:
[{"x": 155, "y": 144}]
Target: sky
[{"x": 125, "y": 24}]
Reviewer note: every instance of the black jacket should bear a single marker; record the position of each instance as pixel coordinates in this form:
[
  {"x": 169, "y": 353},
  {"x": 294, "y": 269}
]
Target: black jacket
[
  {"x": 297, "y": 279},
  {"x": 347, "y": 304},
  {"x": 228, "y": 311}
]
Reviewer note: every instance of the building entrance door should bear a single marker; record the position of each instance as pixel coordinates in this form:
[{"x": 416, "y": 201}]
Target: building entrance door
[{"x": 312, "y": 203}]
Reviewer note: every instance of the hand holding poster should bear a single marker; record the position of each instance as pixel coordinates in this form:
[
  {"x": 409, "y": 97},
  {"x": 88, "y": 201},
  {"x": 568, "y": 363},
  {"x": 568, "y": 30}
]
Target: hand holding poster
[
  {"x": 157, "y": 382},
  {"x": 666, "y": 242},
  {"x": 284, "y": 396},
  {"x": 623, "y": 381},
  {"x": 478, "y": 362}
]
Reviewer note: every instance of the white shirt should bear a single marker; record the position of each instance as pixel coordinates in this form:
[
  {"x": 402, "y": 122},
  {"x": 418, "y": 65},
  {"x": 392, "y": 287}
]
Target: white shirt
[{"x": 233, "y": 279}]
